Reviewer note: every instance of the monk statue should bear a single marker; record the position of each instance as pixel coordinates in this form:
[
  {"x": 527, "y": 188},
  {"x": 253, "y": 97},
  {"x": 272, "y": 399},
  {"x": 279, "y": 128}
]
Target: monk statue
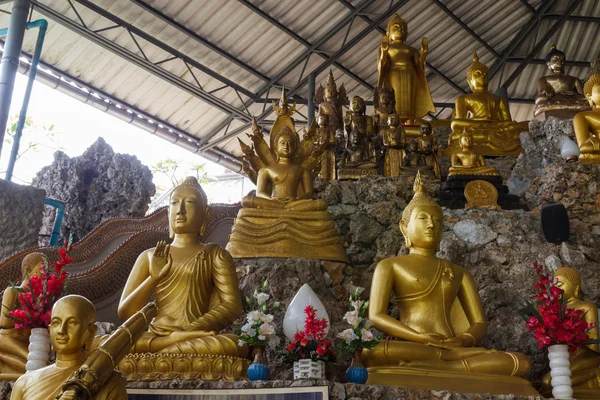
[
  {"x": 330, "y": 101},
  {"x": 197, "y": 290},
  {"x": 559, "y": 95},
  {"x": 393, "y": 140},
  {"x": 360, "y": 132},
  {"x": 283, "y": 219},
  {"x": 467, "y": 162},
  {"x": 440, "y": 318},
  {"x": 486, "y": 116},
  {"x": 587, "y": 123},
  {"x": 13, "y": 342},
  {"x": 585, "y": 361},
  {"x": 428, "y": 149},
  {"x": 402, "y": 68},
  {"x": 326, "y": 138},
  {"x": 384, "y": 103},
  {"x": 81, "y": 369}
]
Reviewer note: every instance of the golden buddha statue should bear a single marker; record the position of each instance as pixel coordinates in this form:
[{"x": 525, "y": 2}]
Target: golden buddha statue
[
  {"x": 384, "y": 103},
  {"x": 468, "y": 162},
  {"x": 330, "y": 101},
  {"x": 402, "y": 68},
  {"x": 585, "y": 361},
  {"x": 197, "y": 290},
  {"x": 587, "y": 123},
  {"x": 326, "y": 138},
  {"x": 393, "y": 138},
  {"x": 14, "y": 343},
  {"x": 486, "y": 116},
  {"x": 559, "y": 95},
  {"x": 359, "y": 130},
  {"x": 428, "y": 149},
  {"x": 283, "y": 219},
  {"x": 440, "y": 318}
]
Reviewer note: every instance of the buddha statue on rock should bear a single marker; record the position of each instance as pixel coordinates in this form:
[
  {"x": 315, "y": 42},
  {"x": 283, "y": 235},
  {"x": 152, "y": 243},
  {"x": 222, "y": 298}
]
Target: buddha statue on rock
[
  {"x": 14, "y": 343},
  {"x": 197, "y": 291},
  {"x": 587, "y": 123},
  {"x": 585, "y": 361},
  {"x": 467, "y": 162},
  {"x": 486, "y": 116},
  {"x": 326, "y": 138},
  {"x": 359, "y": 155},
  {"x": 393, "y": 140},
  {"x": 402, "y": 68},
  {"x": 559, "y": 95},
  {"x": 428, "y": 149},
  {"x": 331, "y": 101},
  {"x": 384, "y": 105},
  {"x": 440, "y": 319}
]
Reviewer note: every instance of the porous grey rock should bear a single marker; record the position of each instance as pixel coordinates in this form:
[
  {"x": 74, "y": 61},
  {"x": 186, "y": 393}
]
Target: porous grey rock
[
  {"x": 474, "y": 234},
  {"x": 96, "y": 186},
  {"x": 21, "y": 210}
]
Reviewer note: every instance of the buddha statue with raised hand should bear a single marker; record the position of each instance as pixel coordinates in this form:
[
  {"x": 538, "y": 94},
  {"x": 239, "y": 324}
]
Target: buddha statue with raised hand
[
  {"x": 587, "y": 123},
  {"x": 440, "y": 319}
]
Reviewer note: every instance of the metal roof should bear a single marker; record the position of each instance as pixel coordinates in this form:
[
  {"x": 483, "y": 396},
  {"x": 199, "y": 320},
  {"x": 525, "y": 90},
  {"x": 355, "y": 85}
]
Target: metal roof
[{"x": 194, "y": 71}]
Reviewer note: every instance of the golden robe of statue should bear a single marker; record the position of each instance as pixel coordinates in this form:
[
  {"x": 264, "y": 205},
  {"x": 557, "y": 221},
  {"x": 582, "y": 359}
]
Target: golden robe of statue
[
  {"x": 394, "y": 138},
  {"x": 486, "y": 117},
  {"x": 402, "y": 68},
  {"x": 440, "y": 318},
  {"x": 326, "y": 138},
  {"x": 331, "y": 101},
  {"x": 587, "y": 123}
]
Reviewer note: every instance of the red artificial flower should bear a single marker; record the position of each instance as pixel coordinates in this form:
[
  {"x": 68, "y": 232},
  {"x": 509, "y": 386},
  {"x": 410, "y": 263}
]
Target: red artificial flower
[
  {"x": 304, "y": 342},
  {"x": 321, "y": 351},
  {"x": 291, "y": 347}
]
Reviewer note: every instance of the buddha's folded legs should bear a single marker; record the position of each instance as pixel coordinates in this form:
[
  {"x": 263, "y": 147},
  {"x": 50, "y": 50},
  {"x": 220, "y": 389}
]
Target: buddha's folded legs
[
  {"x": 13, "y": 347},
  {"x": 11, "y": 364},
  {"x": 190, "y": 342},
  {"x": 306, "y": 205}
]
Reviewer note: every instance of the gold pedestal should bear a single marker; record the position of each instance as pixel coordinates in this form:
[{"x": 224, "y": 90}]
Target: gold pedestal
[
  {"x": 259, "y": 233},
  {"x": 562, "y": 113},
  {"x": 427, "y": 379},
  {"x": 355, "y": 173},
  {"x": 160, "y": 366},
  {"x": 589, "y": 158}
]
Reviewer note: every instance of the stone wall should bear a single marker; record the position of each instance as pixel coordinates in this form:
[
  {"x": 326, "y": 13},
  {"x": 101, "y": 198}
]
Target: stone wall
[{"x": 21, "y": 209}]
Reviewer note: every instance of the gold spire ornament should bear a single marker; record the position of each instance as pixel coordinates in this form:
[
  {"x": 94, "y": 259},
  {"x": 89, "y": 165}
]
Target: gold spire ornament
[{"x": 587, "y": 123}]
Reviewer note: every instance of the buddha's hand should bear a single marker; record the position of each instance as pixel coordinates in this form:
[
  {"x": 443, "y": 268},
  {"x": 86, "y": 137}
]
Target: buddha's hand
[
  {"x": 385, "y": 43},
  {"x": 70, "y": 394},
  {"x": 424, "y": 45},
  {"x": 457, "y": 341},
  {"x": 161, "y": 261},
  {"x": 435, "y": 340}
]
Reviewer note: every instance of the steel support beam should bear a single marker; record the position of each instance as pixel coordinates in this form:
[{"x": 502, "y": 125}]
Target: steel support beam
[
  {"x": 575, "y": 18},
  {"x": 541, "y": 61},
  {"x": 528, "y": 6}
]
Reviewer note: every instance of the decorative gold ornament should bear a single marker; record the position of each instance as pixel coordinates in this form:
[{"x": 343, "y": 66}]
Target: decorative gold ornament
[
  {"x": 486, "y": 117},
  {"x": 481, "y": 194},
  {"x": 434, "y": 346},
  {"x": 468, "y": 162},
  {"x": 587, "y": 123}
]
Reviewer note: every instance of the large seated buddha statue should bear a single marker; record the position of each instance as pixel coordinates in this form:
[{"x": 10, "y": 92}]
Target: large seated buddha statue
[
  {"x": 486, "y": 116},
  {"x": 585, "y": 361},
  {"x": 434, "y": 340},
  {"x": 283, "y": 219},
  {"x": 197, "y": 291},
  {"x": 587, "y": 123}
]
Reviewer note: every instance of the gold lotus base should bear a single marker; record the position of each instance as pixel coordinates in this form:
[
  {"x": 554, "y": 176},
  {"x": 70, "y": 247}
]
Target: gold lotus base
[
  {"x": 355, "y": 173},
  {"x": 482, "y": 149},
  {"x": 426, "y": 379},
  {"x": 157, "y": 366},
  {"x": 589, "y": 158}
]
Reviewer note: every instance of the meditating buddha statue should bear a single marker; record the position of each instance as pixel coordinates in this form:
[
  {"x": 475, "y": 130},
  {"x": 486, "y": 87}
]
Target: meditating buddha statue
[
  {"x": 283, "y": 219},
  {"x": 468, "y": 162},
  {"x": 198, "y": 295},
  {"x": 559, "y": 95},
  {"x": 587, "y": 123},
  {"x": 402, "y": 68},
  {"x": 585, "y": 361},
  {"x": 486, "y": 116},
  {"x": 440, "y": 319},
  {"x": 393, "y": 139},
  {"x": 331, "y": 101}
]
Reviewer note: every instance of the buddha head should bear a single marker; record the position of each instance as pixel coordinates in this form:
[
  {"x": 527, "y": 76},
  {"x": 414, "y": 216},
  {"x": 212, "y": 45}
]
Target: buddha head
[
  {"x": 358, "y": 105},
  {"x": 421, "y": 222},
  {"x": 286, "y": 144},
  {"x": 477, "y": 75},
  {"x": 188, "y": 209},
  {"x": 323, "y": 120},
  {"x": 397, "y": 30},
  {"x": 31, "y": 265},
  {"x": 555, "y": 59},
  {"x": 591, "y": 89},
  {"x": 384, "y": 98},
  {"x": 331, "y": 88},
  {"x": 466, "y": 141},
  {"x": 72, "y": 325},
  {"x": 426, "y": 129},
  {"x": 569, "y": 281},
  {"x": 393, "y": 120}
]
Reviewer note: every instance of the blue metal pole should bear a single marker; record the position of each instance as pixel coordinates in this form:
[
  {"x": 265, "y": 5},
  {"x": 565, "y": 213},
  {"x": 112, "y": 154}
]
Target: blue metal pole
[
  {"x": 10, "y": 60},
  {"x": 60, "y": 214},
  {"x": 43, "y": 25}
]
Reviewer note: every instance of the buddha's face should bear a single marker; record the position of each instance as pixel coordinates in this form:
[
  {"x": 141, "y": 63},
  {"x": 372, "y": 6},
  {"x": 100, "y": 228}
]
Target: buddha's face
[
  {"x": 594, "y": 98},
  {"x": 384, "y": 99},
  {"x": 424, "y": 229},
  {"x": 286, "y": 146},
  {"x": 70, "y": 327},
  {"x": 357, "y": 104},
  {"x": 323, "y": 121},
  {"x": 187, "y": 211},
  {"x": 479, "y": 79},
  {"x": 567, "y": 287},
  {"x": 398, "y": 31},
  {"x": 557, "y": 62},
  {"x": 465, "y": 142},
  {"x": 329, "y": 94},
  {"x": 393, "y": 120}
]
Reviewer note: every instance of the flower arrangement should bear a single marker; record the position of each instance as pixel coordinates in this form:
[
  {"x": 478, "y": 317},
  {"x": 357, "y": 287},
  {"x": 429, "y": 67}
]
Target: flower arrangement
[
  {"x": 359, "y": 336},
  {"x": 549, "y": 318},
  {"x": 37, "y": 297},
  {"x": 310, "y": 343},
  {"x": 258, "y": 329}
]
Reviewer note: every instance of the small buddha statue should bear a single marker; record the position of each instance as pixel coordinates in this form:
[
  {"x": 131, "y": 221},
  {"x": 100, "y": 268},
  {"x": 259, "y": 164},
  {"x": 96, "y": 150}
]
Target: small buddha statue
[
  {"x": 411, "y": 155},
  {"x": 486, "y": 116},
  {"x": 585, "y": 361},
  {"x": 324, "y": 137},
  {"x": 330, "y": 101},
  {"x": 384, "y": 103},
  {"x": 402, "y": 68},
  {"x": 440, "y": 318},
  {"x": 468, "y": 162},
  {"x": 14, "y": 343},
  {"x": 360, "y": 132},
  {"x": 428, "y": 149},
  {"x": 587, "y": 123},
  {"x": 195, "y": 285},
  {"x": 393, "y": 140},
  {"x": 559, "y": 95}
]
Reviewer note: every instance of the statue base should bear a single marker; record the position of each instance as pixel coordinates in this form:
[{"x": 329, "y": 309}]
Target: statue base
[
  {"x": 355, "y": 173},
  {"x": 589, "y": 158},
  {"x": 426, "y": 379},
  {"x": 452, "y": 194},
  {"x": 148, "y": 367},
  {"x": 560, "y": 113}
]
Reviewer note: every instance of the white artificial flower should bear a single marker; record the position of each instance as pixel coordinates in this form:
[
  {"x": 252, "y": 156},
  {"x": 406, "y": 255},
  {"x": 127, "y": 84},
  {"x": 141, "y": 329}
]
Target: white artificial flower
[
  {"x": 368, "y": 324},
  {"x": 246, "y": 327},
  {"x": 261, "y": 298},
  {"x": 266, "y": 330},
  {"x": 261, "y": 337},
  {"x": 357, "y": 304},
  {"x": 255, "y": 316},
  {"x": 251, "y": 332},
  {"x": 367, "y": 336},
  {"x": 352, "y": 318},
  {"x": 348, "y": 335},
  {"x": 267, "y": 318},
  {"x": 241, "y": 343}
]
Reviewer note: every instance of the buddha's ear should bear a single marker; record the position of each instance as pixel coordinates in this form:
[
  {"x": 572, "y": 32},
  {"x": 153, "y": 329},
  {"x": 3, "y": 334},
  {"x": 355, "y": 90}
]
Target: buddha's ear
[
  {"x": 207, "y": 216},
  {"x": 404, "y": 231},
  {"x": 171, "y": 233}
]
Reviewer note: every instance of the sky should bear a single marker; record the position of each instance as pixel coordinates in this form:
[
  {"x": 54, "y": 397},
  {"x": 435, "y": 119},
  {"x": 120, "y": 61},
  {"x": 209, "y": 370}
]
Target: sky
[{"x": 77, "y": 126}]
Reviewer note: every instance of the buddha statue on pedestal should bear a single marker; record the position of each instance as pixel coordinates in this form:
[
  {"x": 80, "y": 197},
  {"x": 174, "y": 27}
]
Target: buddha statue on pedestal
[
  {"x": 198, "y": 295},
  {"x": 331, "y": 101},
  {"x": 283, "y": 219},
  {"x": 559, "y": 95},
  {"x": 467, "y": 162},
  {"x": 359, "y": 154},
  {"x": 440, "y": 320},
  {"x": 325, "y": 137},
  {"x": 428, "y": 149},
  {"x": 384, "y": 104},
  {"x": 585, "y": 361},
  {"x": 486, "y": 116},
  {"x": 587, "y": 123},
  {"x": 402, "y": 68},
  {"x": 13, "y": 342},
  {"x": 393, "y": 140}
]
